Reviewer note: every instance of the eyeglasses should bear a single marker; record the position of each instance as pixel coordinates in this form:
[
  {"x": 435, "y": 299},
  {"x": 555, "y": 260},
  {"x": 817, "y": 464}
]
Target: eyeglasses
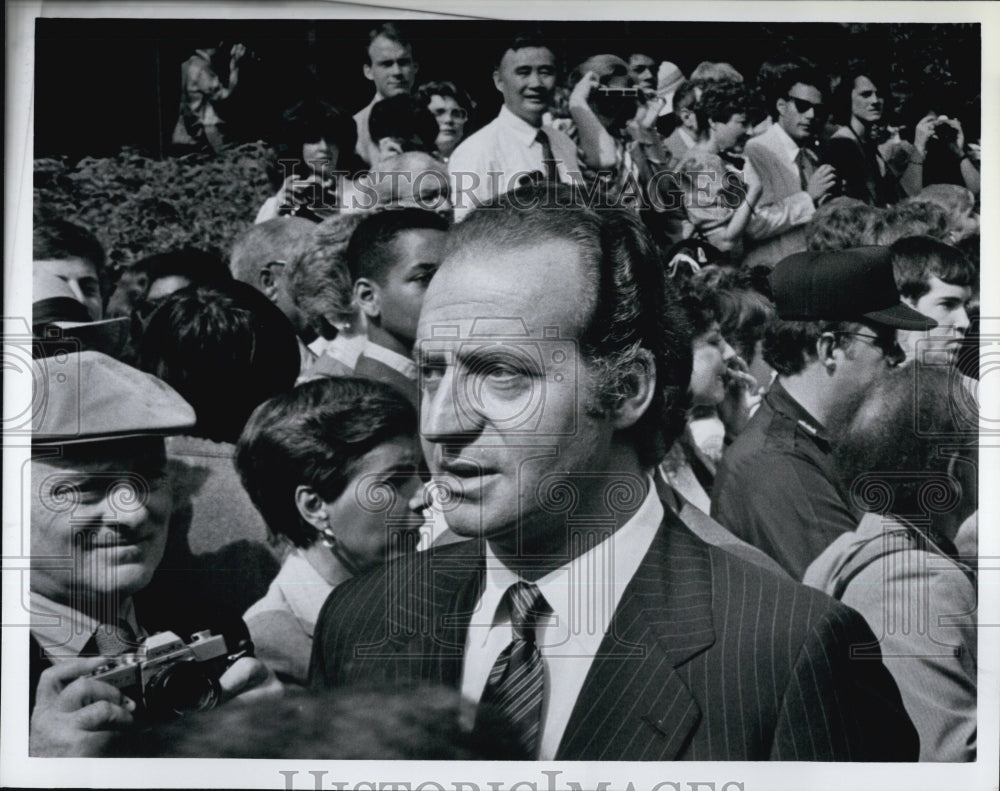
[
  {"x": 456, "y": 114},
  {"x": 804, "y": 105},
  {"x": 891, "y": 350}
]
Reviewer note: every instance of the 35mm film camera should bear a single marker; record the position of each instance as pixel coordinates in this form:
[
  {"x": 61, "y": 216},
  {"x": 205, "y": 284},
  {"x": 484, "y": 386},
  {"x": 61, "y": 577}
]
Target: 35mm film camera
[{"x": 167, "y": 677}]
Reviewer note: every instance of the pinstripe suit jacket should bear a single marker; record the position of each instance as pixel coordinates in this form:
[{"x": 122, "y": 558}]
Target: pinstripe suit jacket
[{"x": 708, "y": 657}]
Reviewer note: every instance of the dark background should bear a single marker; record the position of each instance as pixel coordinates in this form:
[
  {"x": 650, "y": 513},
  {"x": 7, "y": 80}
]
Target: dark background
[{"x": 104, "y": 84}]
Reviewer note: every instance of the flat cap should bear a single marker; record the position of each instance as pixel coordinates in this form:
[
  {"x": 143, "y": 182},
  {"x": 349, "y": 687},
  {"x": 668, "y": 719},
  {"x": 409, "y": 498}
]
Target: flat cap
[
  {"x": 90, "y": 397},
  {"x": 843, "y": 285}
]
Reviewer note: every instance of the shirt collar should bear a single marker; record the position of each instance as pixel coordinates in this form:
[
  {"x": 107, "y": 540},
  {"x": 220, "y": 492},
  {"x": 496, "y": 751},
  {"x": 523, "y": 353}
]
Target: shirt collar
[
  {"x": 303, "y": 587},
  {"x": 588, "y": 578},
  {"x": 784, "y": 140},
  {"x": 63, "y": 632},
  {"x": 398, "y": 363},
  {"x": 780, "y": 401},
  {"x": 518, "y": 127}
]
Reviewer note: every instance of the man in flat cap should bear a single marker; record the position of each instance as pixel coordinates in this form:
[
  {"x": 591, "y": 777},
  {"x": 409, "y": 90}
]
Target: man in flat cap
[
  {"x": 100, "y": 503},
  {"x": 835, "y": 336}
]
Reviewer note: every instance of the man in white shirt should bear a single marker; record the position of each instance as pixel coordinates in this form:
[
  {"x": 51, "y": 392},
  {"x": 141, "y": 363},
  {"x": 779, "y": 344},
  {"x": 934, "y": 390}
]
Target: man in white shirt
[
  {"x": 784, "y": 163},
  {"x": 515, "y": 144},
  {"x": 392, "y": 69},
  {"x": 553, "y": 369}
]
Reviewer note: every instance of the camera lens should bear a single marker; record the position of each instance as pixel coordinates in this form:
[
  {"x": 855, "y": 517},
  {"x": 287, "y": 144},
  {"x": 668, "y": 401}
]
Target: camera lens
[{"x": 181, "y": 688}]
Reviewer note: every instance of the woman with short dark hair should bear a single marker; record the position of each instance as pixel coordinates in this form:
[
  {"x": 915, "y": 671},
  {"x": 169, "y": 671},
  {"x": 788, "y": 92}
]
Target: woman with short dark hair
[
  {"x": 452, "y": 108},
  {"x": 317, "y": 143},
  {"x": 335, "y": 468}
]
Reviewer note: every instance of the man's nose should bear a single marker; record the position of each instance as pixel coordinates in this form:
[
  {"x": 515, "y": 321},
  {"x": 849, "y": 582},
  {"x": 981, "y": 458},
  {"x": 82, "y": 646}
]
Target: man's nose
[{"x": 440, "y": 418}]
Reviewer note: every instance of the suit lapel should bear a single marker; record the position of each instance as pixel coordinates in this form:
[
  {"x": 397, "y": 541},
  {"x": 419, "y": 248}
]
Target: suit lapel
[
  {"x": 428, "y": 634},
  {"x": 634, "y": 704}
]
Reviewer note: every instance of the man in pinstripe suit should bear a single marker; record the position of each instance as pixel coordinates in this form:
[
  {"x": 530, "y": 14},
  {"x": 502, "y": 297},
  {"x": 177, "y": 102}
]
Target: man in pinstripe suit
[{"x": 553, "y": 378}]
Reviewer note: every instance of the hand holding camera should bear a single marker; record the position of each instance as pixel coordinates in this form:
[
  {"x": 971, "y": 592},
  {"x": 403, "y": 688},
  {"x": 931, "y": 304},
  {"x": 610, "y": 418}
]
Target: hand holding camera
[
  {"x": 83, "y": 704},
  {"x": 947, "y": 131}
]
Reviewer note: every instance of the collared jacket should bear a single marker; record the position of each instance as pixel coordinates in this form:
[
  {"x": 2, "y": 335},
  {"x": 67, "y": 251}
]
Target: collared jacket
[{"x": 776, "y": 487}]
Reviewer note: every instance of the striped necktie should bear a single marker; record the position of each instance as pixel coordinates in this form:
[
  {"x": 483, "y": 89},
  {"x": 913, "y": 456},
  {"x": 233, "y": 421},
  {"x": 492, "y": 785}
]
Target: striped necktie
[
  {"x": 514, "y": 689},
  {"x": 548, "y": 158}
]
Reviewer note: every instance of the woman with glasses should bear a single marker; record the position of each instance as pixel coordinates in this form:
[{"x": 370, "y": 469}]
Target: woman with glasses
[{"x": 451, "y": 108}]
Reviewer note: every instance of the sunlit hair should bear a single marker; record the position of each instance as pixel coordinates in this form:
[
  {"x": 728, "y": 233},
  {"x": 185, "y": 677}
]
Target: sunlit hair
[{"x": 839, "y": 224}]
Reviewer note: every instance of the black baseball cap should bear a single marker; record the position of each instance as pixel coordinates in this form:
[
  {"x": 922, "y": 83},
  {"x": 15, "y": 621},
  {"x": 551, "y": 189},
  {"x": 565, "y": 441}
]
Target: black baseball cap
[{"x": 843, "y": 285}]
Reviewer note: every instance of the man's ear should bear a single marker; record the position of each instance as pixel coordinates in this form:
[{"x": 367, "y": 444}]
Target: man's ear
[
  {"x": 267, "y": 279},
  {"x": 369, "y": 297},
  {"x": 497, "y": 80},
  {"x": 638, "y": 388},
  {"x": 367, "y": 69},
  {"x": 826, "y": 344},
  {"x": 311, "y": 507}
]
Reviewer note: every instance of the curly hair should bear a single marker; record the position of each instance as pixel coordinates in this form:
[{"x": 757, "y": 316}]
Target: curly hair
[
  {"x": 719, "y": 102},
  {"x": 319, "y": 281}
]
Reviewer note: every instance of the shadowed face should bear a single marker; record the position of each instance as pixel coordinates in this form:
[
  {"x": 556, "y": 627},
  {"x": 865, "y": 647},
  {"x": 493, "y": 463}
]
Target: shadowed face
[
  {"x": 378, "y": 513},
  {"x": 507, "y": 422},
  {"x": 99, "y": 525}
]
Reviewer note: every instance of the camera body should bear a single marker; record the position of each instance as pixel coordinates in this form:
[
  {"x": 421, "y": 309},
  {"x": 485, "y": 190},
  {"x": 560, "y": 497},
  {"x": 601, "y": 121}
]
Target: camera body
[
  {"x": 167, "y": 677},
  {"x": 629, "y": 92},
  {"x": 945, "y": 132}
]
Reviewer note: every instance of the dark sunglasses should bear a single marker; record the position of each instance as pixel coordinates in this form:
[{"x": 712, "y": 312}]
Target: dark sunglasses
[{"x": 804, "y": 105}]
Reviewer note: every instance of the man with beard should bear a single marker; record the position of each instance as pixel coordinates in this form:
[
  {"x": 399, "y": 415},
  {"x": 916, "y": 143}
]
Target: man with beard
[
  {"x": 515, "y": 145},
  {"x": 581, "y": 608},
  {"x": 835, "y": 336},
  {"x": 900, "y": 569}
]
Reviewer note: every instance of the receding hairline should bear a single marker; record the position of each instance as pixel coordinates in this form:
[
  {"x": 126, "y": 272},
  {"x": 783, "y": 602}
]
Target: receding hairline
[
  {"x": 511, "y": 51},
  {"x": 458, "y": 254}
]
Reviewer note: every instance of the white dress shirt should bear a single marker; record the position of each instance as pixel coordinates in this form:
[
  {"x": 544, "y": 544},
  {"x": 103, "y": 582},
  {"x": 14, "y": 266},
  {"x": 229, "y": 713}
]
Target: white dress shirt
[
  {"x": 298, "y": 589},
  {"x": 391, "y": 359},
  {"x": 366, "y": 148},
  {"x": 583, "y": 596},
  {"x": 508, "y": 148},
  {"x": 63, "y": 632}
]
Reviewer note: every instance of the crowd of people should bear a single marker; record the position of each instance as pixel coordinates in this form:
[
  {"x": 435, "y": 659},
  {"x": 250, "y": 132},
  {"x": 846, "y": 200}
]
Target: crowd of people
[{"x": 638, "y": 424}]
